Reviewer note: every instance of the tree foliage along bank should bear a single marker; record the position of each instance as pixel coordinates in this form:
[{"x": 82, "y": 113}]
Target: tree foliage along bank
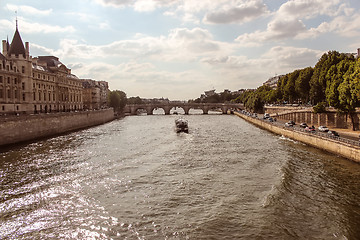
[
  {"x": 117, "y": 100},
  {"x": 334, "y": 81}
]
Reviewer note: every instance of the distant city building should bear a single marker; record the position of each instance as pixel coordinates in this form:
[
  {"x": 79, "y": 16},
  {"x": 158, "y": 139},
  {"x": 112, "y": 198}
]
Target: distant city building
[
  {"x": 355, "y": 55},
  {"x": 272, "y": 82},
  {"x": 39, "y": 84},
  {"x": 238, "y": 92},
  {"x": 95, "y": 94},
  {"x": 210, "y": 93}
]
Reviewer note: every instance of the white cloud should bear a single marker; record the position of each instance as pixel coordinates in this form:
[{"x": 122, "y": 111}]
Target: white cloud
[
  {"x": 6, "y": 24},
  {"x": 244, "y": 71},
  {"x": 138, "y": 5},
  {"x": 279, "y": 29},
  {"x": 214, "y": 12},
  {"x": 237, "y": 14},
  {"x": 287, "y": 22},
  {"x": 144, "y": 79},
  {"x": 308, "y": 8},
  {"x": 28, "y": 10},
  {"x": 181, "y": 44},
  {"x": 346, "y": 26},
  {"x": 35, "y": 28},
  {"x": 292, "y": 58}
]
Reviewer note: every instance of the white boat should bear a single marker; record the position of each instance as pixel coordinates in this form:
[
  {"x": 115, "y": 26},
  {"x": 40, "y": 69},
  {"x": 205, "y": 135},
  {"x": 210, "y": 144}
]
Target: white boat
[{"x": 181, "y": 125}]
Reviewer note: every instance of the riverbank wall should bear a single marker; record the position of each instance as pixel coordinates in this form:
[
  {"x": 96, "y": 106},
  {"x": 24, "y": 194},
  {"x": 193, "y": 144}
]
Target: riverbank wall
[
  {"x": 16, "y": 129},
  {"x": 330, "y": 145},
  {"x": 331, "y": 118}
]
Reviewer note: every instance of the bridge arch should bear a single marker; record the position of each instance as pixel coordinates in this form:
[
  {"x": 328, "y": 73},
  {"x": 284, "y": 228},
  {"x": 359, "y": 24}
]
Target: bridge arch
[{"x": 167, "y": 106}]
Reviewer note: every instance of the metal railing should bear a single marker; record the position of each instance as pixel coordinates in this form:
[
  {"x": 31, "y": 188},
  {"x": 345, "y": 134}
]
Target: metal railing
[{"x": 299, "y": 129}]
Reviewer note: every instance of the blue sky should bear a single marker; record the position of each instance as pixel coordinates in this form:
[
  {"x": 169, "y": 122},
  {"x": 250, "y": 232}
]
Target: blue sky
[{"x": 177, "y": 49}]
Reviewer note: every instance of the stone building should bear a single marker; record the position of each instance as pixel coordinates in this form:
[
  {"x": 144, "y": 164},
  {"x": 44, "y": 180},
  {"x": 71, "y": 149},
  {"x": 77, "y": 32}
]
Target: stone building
[
  {"x": 95, "y": 94},
  {"x": 39, "y": 84}
]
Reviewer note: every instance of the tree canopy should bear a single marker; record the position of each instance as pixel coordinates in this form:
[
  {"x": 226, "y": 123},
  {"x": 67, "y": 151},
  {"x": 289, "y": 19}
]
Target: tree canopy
[
  {"x": 117, "y": 100},
  {"x": 334, "y": 81}
]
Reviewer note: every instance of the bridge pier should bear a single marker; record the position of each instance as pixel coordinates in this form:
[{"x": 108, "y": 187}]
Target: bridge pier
[{"x": 167, "y": 106}]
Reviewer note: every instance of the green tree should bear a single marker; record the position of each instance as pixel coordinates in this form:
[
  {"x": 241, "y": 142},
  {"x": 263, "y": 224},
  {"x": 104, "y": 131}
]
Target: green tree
[
  {"x": 320, "y": 107},
  {"x": 135, "y": 100},
  {"x": 117, "y": 100},
  {"x": 319, "y": 78},
  {"x": 302, "y": 84},
  {"x": 335, "y": 77},
  {"x": 349, "y": 92}
]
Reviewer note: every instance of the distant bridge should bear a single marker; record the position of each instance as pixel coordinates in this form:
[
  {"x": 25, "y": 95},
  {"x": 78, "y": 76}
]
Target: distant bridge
[{"x": 205, "y": 107}]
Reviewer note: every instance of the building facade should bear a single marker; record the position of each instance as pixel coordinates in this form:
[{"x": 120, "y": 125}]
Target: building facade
[
  {"x": 95, "y": 94},
  {"x": 36, "y": 85}
]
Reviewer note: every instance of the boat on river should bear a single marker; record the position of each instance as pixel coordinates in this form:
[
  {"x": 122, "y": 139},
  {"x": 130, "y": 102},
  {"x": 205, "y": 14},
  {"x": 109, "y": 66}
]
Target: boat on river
[{"x": 181, "y": 125}]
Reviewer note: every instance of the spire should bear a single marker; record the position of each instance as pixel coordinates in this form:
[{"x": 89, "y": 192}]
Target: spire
[{"x": 17, "y": 45}]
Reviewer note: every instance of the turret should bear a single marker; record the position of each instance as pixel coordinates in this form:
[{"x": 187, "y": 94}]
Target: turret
[
  {"x": 4, "y": 47},
  {"x": 27, "y": 49}
]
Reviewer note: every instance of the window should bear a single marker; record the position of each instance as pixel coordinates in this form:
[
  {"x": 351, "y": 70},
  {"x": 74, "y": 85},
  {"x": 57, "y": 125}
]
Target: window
[
  {"x": 39, "y": 96},
  {"x": 8, "y": 81},
  {"x": 15, "y": 80},
  {"x": 34, "y": 96},
  {"x": 9, "y": 93},
  {"x": 1, "y": 93},
  {"x": 23, "y": 69},
  {"x": 1, "y": 79},
  {"x": 3, "y": 108},
  {"x": 23, "y": 97},
  {"x": 23, "y": 86},
  {"x": 15, "y": 93}
]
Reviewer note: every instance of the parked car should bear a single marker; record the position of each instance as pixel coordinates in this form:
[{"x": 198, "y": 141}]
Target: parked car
[
  {"x": 323, "y": 129},
  {"x": 289, "y": 124},
  {"x": 333, "y": 133},
  {"x": 266, "y": 115},
  {"x": 292, "y": 122},
  {"x": 271, "y": 119},
  {"x": 310, "y": 129},
  {"x": 303, "y": 125}
]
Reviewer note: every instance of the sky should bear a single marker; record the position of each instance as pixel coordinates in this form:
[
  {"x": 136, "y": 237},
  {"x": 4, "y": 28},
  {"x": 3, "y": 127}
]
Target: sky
[{"x": 178, "y": 49}]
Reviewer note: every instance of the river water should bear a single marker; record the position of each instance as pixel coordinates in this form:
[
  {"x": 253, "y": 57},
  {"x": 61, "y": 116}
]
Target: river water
[{"x": 136, "y": 178}]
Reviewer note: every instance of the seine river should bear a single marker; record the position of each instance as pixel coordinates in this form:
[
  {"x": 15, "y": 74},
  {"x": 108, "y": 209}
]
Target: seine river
[{"x": 136, "y": 178}]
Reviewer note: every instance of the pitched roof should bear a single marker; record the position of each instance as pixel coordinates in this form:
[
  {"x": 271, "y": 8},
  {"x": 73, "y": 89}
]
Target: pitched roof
[{"x": 17, "y": 45}]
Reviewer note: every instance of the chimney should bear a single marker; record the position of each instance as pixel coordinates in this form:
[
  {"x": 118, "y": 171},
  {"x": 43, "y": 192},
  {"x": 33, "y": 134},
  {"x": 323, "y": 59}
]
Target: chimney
[
  {"x": 4, "y": 46},
  {"x": 27, "y": 51},
  {"x": 358, "y": 52}
]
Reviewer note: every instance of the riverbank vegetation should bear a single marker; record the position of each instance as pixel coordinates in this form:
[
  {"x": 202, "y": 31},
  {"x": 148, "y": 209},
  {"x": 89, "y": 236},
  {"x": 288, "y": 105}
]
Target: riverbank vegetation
[
  {"x": 117, "y": 100},
  {"x": 333, "y": 82}
]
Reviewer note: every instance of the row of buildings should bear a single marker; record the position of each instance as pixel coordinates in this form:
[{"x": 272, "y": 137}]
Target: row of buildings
[{"x": 43, "y": 84}]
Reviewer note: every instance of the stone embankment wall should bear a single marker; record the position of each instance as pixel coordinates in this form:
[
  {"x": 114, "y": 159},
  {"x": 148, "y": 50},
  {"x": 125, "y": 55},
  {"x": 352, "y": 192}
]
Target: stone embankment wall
[
  {"x": 330, "y": 145},
  {"x": 17, "y": 129},
  {"x": 331, "y": 118}
]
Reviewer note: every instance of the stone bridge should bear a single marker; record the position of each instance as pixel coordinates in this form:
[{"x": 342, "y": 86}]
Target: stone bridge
[{"x": 132, "y": 109}]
